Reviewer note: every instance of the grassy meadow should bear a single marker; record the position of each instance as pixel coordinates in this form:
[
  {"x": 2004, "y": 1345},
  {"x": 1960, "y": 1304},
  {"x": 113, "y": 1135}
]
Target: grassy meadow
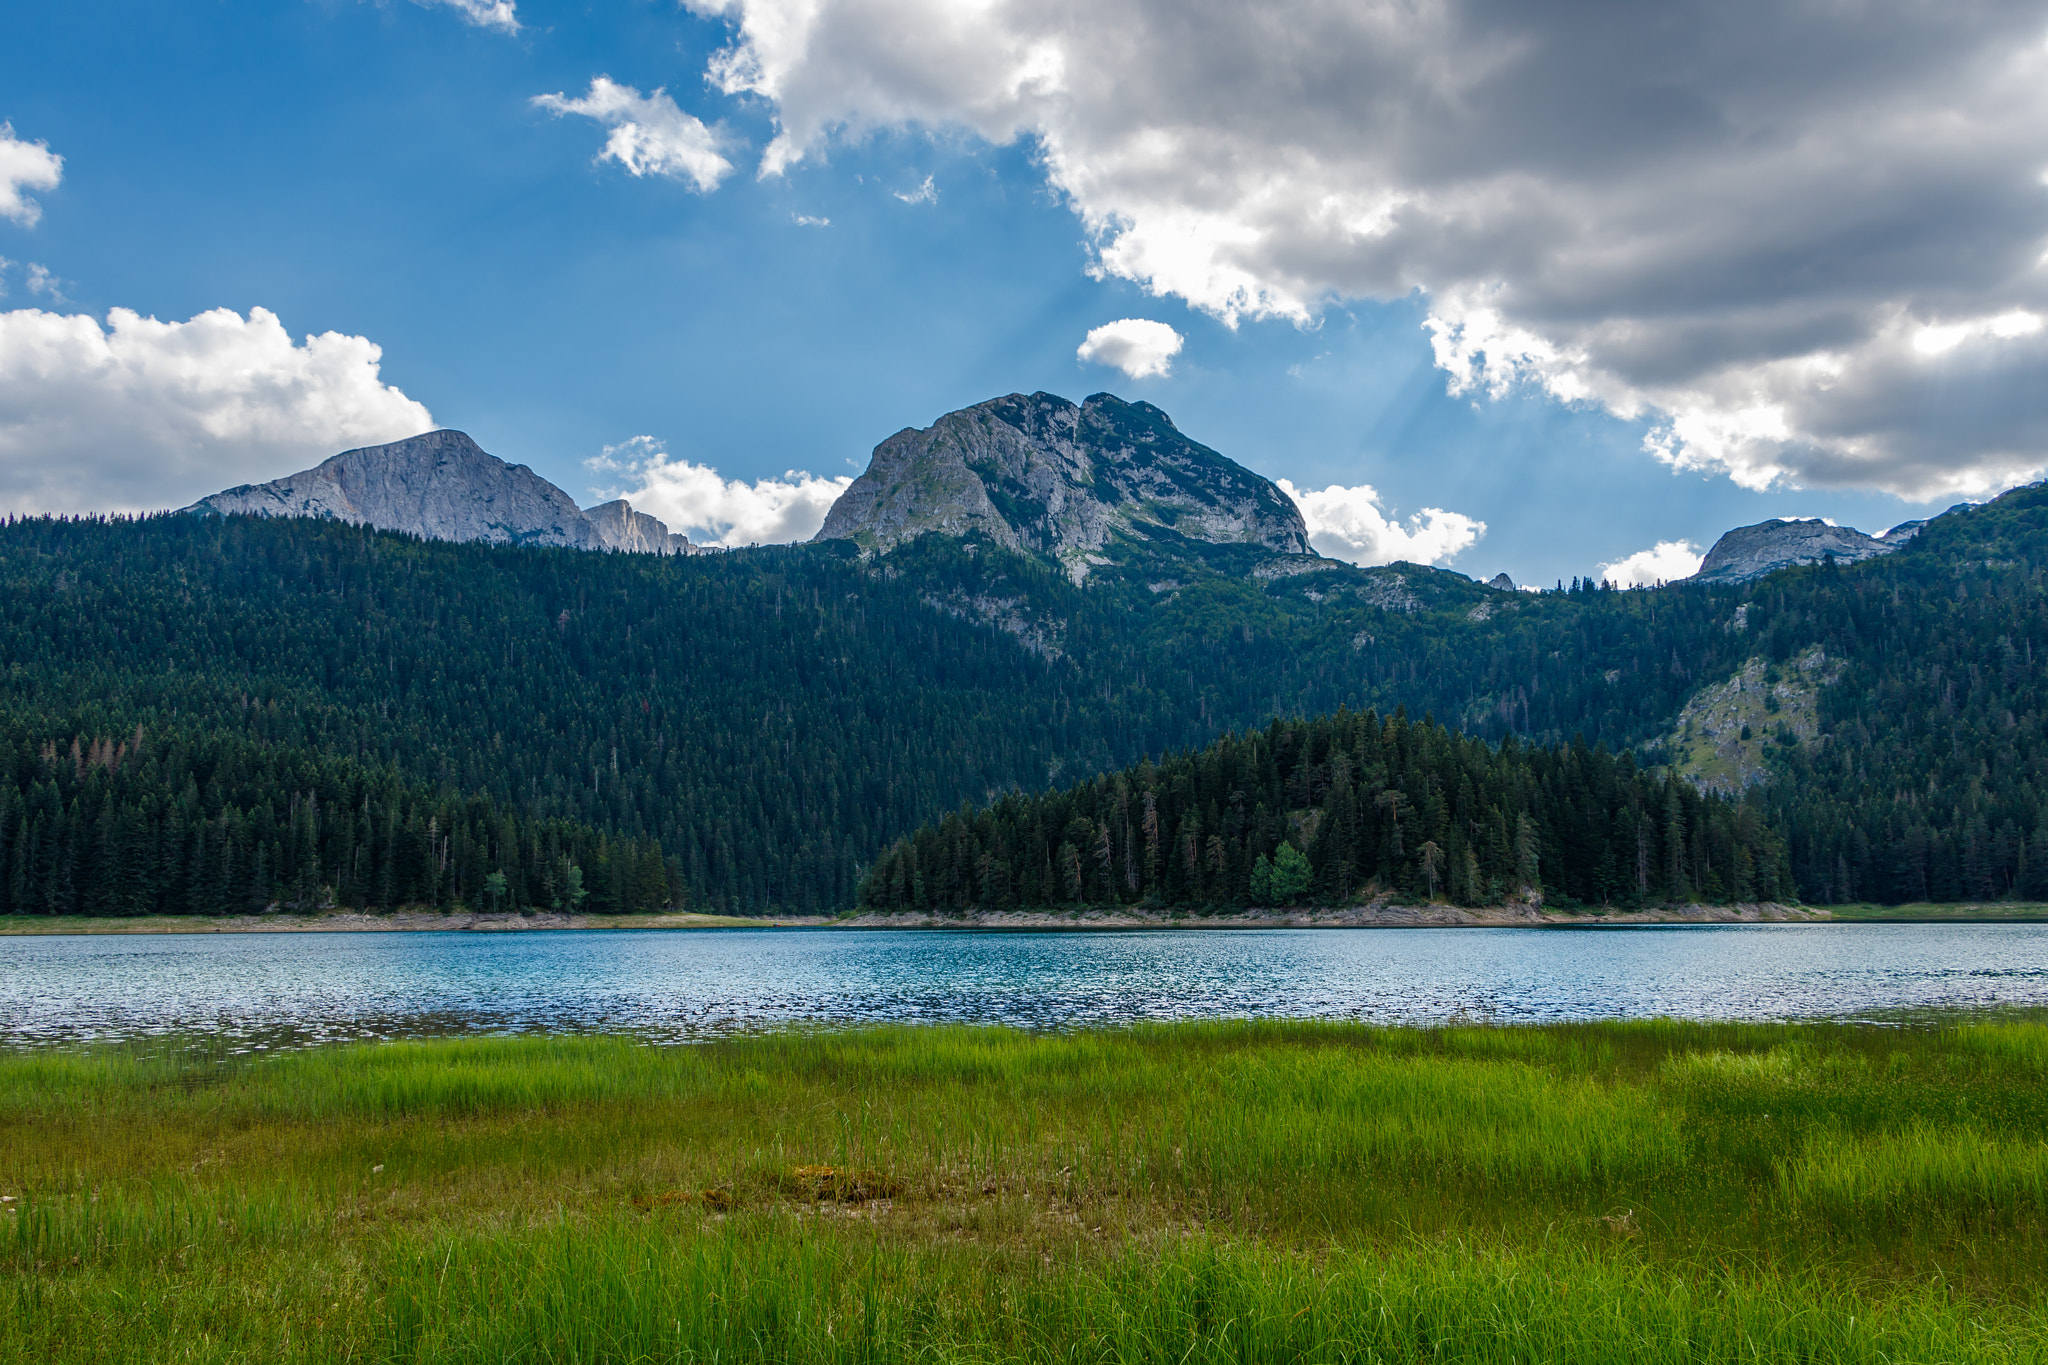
[{"x": 1182, "y": 1194}]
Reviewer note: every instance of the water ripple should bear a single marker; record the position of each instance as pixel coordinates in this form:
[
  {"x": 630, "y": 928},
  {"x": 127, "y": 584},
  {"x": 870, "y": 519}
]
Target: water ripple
[{"x": 263, "y": 990}]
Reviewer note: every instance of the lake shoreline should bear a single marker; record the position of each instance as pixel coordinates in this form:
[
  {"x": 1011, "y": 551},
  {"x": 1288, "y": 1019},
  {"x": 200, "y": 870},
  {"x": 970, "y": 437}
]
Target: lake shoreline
[
  {"x": 1520, "y": 915},
  {"x": 1379, "y": 915},
  {"x": 395, "y": 922}
]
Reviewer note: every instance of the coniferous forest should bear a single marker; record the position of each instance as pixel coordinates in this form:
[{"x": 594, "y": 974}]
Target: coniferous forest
[
  {"x": 205, "y": 715},
  {"x": 1318, "y": 812}
]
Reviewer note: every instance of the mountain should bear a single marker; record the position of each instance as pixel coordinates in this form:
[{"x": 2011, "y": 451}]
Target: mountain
[
  {"x": 1749, "y": 552},
  {"x": 759, "y": 727},
  {"x": 1081, "y": 486},
  {"x": 619, "y": 527},
  {"x": 443, "y": 486}
]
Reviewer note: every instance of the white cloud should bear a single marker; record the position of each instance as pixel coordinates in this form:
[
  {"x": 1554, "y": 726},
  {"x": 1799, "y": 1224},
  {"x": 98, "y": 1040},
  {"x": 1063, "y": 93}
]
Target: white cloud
[
  {"x": 806, "y": 220},
  {"x": 41, "y": 281},
  {"x": 25, "y": 166},
  {"x": 502, "y": 15},
  {"x": 1347, "y": 523},
  {"x": 650, "y": 135},
  {"x": 1734, "y": 223},
  {"x": 710, "y": 509},
  {"x": 1665, "y": 562},
  {"x": 140, "y": 414},
  {"x": 927, "y": 193},
  {"x": 1137, "y": 346}
]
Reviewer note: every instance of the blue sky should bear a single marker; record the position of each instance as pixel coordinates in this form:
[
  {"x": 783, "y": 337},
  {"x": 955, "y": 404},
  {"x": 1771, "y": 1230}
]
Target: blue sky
[{"x": 381, "y": 171}]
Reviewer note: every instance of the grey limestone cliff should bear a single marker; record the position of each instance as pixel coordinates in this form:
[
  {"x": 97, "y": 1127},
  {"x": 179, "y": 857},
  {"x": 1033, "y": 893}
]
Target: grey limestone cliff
[
  {"x": 443, "y": 486},
  {"x": 622, "y": 528},
  {"x": 1752, "y": 551},
  {"x": 1040, "y": 474}
]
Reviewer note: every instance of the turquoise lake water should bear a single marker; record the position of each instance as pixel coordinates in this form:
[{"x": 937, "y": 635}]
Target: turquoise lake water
[{"x": 286, "y": 989}]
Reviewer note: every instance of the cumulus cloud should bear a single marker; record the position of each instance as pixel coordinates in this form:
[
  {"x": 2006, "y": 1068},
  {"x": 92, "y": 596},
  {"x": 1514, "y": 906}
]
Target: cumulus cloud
[
  {"x": 713, "y": 510},
  {"x": 1665, "y": 562},
  {"x": 1739, "y": 223},
  {"x": 1137, "y": 346},
  {"x": 25, "y": 166},
  {"x": 650, "y": 135},
  {"x": 502, "y": 15},
  {"x": 1347, "y": 523},
  {"x": 139, "y": 414}
]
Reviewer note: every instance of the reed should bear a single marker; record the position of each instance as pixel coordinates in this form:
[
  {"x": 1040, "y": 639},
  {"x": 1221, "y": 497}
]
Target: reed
[{"x": 1219, "y": 1191}]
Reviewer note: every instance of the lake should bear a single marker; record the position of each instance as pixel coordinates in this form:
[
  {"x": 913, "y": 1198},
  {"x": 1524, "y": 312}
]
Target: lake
[{"x": 263, "y": 990}]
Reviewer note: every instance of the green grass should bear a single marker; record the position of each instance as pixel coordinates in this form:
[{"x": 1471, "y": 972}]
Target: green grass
[
  {"x": 1212, "y": 1192},
  {"x": 1939, "y": 910}
]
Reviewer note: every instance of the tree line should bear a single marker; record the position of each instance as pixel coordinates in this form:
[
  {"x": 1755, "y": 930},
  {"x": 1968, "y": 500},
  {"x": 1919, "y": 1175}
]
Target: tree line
[
  {"x": 1338, "y": 809},
  {"x": 171, "y": 823},
  {"x": 775, "y": 719}
]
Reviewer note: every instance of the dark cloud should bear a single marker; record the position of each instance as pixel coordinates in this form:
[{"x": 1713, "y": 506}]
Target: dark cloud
[{"x": 1737, "y": 219}]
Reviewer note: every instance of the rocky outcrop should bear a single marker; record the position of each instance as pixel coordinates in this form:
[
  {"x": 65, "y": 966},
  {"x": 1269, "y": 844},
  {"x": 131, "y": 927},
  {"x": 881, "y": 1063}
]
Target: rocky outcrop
[
  {"x": 619, "y": 527},
  {"x": 1500, "y": 582},
  {"x": 1752, "y": 551},
  {"x": 1725, "y": 730},
  {"x": 443, "y": 486},
  {"x": 1039, "y": 474}
]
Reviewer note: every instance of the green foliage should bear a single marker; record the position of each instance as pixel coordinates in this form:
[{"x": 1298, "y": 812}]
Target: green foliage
[
  {"x": 220, "y": 823},
  {"x": 773, "y": 720},
  {"x": 1291, "y": 875},
  {"x": 1339, "y": 807},
  {"x": 1224, "y": 1191},
  {"x": 1261, "y": 889}
]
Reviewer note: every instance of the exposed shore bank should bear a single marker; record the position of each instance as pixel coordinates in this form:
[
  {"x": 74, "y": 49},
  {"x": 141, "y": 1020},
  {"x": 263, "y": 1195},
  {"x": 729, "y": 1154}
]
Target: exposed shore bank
[
  {"x": 1520, "y": 915},
  {"x": 398, "y": 921},
  {"x": 1378, "y": 916}
]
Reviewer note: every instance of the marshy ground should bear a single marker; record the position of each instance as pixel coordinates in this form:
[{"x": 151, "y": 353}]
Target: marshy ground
[{"x": 1213, "y": 1192}]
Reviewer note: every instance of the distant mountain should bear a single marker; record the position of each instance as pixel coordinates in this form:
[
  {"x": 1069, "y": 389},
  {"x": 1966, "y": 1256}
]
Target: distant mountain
[
  {"x": 443, "y": 486},
  {"x": 1072, "y": 484},
  {"x": 619, "y": 527},
  {"x": 774, "y": 719},
  {"x": 1752, "y": 551}
]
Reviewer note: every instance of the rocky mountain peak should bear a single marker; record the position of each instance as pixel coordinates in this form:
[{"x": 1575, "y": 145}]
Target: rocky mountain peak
[
  {"x": 1037, "y": 473},
  {"x": 620, "y": 527},
  {"x": 1752, "y": 551},
  {"x": 443, "y": 486}
]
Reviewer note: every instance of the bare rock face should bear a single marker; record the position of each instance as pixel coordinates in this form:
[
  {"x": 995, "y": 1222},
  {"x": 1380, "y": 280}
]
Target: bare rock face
[
  {"x": 1037, "y": 473},
  {"x": 1752, "y": 551},
  {"x": 1500, "y": 582},
  {"x": 622, "y": 528},
  {"x": 443, "y": 486}
]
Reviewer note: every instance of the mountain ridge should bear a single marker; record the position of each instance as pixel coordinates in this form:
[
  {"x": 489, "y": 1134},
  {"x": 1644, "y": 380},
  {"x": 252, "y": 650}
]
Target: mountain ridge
[
  {"x": 441, "y": 485},
  {"x": 1071, "y": 483},
  {"x": 1749, "y": 552}
]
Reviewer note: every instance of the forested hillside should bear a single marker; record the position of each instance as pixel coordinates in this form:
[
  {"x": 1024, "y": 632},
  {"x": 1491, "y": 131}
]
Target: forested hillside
[
  {"x": 774, "y": 719},
  {"x": 1328, "y": 811},
  {"x": 169, "y": 821}
]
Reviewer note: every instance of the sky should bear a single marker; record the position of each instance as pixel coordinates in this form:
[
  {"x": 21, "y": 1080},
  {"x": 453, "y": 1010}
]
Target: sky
[{"x": 1551, "y": 290}]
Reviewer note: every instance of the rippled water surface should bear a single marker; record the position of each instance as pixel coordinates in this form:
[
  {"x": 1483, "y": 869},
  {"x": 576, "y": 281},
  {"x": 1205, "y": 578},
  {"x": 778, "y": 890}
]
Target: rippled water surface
[{"x": 283, "y": 988}]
